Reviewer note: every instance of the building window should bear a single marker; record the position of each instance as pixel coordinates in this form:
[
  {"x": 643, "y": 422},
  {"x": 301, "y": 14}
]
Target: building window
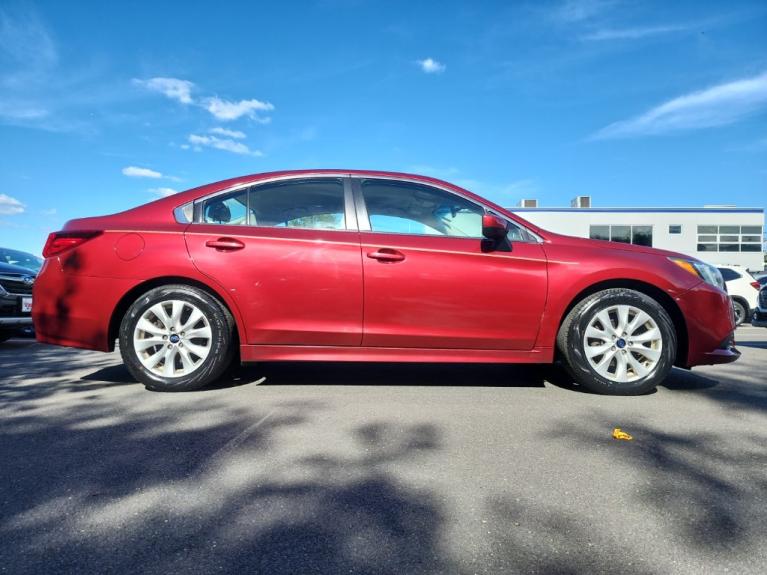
[
  {"x": 639, "y": 235},
  {"x": 675, "y": 229},
  {"x": 600, "y": 233},
  {"x": 729, "y": 238}
]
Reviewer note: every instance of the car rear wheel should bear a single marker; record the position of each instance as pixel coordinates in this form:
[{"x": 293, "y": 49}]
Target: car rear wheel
[
  {"x": 740, "y": 311},
  {"x": 618, "y": 342},
  {"x": 177, "y": 338}
]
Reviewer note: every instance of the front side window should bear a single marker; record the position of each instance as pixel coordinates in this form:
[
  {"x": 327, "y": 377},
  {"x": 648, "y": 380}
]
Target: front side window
[{"x": 405, "y": 208}]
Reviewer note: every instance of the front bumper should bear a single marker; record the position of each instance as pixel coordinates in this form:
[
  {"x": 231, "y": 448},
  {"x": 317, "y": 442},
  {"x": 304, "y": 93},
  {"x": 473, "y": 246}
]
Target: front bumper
[
  {"x": 6, "y": 322},
  {"x": 759, "y": 319},
  {"x": 710, "y": 326},
  {"x": 11, "y": 315}
]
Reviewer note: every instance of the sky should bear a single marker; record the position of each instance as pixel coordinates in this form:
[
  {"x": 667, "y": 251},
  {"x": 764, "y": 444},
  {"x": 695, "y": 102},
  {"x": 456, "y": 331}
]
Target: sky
[{"x": 108, "y": 105}]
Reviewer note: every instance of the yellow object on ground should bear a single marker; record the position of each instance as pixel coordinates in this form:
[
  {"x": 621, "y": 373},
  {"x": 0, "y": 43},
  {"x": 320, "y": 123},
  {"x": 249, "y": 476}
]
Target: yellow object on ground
[{"x": 618, "y": 433}]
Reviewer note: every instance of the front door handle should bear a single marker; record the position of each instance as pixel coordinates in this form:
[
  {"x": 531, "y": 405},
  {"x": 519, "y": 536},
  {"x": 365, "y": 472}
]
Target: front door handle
[
  {"x": 225, "y": 244},
  {"x": 387, "y": 255}
]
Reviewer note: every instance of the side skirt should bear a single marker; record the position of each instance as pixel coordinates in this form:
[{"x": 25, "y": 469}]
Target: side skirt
[{"x": 256, "y": 353}]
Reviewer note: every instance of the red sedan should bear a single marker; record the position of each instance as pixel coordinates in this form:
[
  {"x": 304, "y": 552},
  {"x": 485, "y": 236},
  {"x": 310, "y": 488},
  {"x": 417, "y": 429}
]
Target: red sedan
[{"x": 346, "y": 265}]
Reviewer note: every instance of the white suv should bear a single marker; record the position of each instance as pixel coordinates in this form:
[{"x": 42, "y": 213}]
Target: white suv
[{"x": 743, "y": 290}]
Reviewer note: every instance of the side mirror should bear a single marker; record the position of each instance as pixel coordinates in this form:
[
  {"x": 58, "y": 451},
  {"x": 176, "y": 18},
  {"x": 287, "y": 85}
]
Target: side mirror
[{"x": 494, "y": 228}]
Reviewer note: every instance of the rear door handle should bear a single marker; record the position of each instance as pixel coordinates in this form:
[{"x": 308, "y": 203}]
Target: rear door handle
[
  {"x": 225, "y": 244},
  {"x": 387, "y": 255}
]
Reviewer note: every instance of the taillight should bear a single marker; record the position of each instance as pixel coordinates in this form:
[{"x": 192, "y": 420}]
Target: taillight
[
  {"x": 59, "y": 242},
  {"x": 756, "y": 285}
]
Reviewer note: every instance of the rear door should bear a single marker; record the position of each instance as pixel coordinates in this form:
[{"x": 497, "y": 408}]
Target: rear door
[
  {"x": 430, "y": 281},
  {"x": 288, "y": 252}
]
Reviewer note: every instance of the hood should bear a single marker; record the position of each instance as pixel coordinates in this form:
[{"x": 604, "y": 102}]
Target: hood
[
  {"x": 11, "y": 269},
  {"x": 614, "y": 246}
]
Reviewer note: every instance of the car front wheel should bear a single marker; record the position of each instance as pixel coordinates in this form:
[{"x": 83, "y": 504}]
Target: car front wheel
[
  {"x": 177, "y": 338},
  {"x": 618, "y": 342}
]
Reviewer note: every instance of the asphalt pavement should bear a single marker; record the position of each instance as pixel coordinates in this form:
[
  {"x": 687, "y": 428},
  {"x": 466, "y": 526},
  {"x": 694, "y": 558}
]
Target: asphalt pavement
[{"x": 392, "y": 469}]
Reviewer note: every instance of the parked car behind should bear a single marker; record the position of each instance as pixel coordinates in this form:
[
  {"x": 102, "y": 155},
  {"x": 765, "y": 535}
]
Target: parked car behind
[
  {"x": 743, "y": 289},
  {"x": 344, "y": 265},
  {"x": 760, "y": 315},
  {"x": 15, "y": 300},
  {"x": 21, "y": 259}
]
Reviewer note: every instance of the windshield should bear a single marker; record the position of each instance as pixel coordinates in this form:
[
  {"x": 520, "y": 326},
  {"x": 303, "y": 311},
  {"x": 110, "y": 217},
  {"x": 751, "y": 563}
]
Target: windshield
[{"x": 23, "y": 259}]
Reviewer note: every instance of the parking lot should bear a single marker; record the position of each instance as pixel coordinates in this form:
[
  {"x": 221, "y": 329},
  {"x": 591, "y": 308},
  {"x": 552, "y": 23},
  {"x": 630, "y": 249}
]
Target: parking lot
[{"x": 344, "y": 468}]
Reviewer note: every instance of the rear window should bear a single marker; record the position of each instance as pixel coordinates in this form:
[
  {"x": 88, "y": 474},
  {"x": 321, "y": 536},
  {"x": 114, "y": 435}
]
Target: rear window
[{"x": 729, "y": 274}]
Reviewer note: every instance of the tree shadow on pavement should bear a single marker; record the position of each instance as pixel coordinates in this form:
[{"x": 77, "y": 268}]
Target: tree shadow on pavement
[{"x": 706, "y": 489}]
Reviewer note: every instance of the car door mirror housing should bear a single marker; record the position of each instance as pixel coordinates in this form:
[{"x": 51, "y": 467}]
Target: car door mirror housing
[{"x": 494, "y": 227}]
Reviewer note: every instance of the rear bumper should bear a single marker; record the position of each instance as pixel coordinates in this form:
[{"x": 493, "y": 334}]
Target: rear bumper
[
  {"x": 75, "y": 310},
  {"x": 710, "y": 323}
]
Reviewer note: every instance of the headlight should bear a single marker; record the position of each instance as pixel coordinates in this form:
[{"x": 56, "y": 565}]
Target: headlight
[{"x": 708, "y": 273}]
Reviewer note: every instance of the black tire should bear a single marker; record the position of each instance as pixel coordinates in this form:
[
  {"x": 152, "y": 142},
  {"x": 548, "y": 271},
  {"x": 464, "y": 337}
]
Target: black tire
[
  {"x": 5, "y": 336},
  {"x": 740, "y": 312},
  {"x": 571, "y": 337},
  {"x": 222, "y": 343}
]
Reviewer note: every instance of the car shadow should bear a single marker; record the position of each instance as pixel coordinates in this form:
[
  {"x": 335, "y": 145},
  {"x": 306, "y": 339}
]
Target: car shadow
[
  {"x": 402, "y": 375},
  {"x": 352, "y": 373}
]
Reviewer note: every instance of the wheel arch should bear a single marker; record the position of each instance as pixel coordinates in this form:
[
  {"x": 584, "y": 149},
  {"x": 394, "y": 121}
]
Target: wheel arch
[
  {"x": 133, "y": 294},
  {"x": 663, "y": 298}
]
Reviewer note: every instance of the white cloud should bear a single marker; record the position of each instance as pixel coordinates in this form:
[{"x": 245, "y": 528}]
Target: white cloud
[
  {"x": 716, "y": 106},
  {"x": 10, "y": 206},
  {"x": 50, "y": 212},
  {"x": 431, "y": 66},
  {"x": 173, "y": 88},
  {"x": 236, "y": 134},
  {"x": 572, "y": 11},
  {"x": 162, "y": 192},
  {"x": 222, "y": 144},
  {"x": 135, "y": 172},
  {"x": 633, "y": 33},
  {"x": 225, "y": 110}
]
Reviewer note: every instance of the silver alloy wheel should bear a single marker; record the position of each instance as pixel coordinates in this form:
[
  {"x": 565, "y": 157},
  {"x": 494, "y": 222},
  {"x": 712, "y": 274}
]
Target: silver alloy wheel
[
  {"x": 622, "y": 343},
  {"x": 739, "y": 312},
  {"x": 172, "y": 338}
]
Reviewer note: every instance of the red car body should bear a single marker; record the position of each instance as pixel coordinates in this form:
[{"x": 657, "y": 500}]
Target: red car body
[{"x": 312, "y": 294}]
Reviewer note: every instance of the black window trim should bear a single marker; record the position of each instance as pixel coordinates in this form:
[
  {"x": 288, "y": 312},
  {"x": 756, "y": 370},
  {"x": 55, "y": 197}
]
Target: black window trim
[
  {"x": 350, "y": 217},
  {"x": 363, "y": 218}
]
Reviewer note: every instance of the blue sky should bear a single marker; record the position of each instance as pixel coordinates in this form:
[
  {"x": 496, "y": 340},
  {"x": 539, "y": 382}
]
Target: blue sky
[{"x": 106, "y": 105}]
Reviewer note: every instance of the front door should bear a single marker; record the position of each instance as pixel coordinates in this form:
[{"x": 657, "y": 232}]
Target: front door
[
  {"x": 288, "y": 255},
  {"x": 428, "y": 282}
]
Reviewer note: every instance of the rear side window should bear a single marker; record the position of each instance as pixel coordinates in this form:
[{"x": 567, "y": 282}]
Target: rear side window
[
  {"x": 729, "y": 274},
  {"x": 230, "y": 210},
  {"x": 310, "y": 204},
  {"x": 405, "y": 208}
]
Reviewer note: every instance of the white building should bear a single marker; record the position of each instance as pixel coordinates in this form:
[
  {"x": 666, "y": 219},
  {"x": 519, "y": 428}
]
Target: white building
[{"x": 721, "y": 235}]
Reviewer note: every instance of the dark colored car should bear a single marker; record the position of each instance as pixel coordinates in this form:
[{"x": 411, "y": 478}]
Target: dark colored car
[
  {"x": 15, "y": 299},
  {"x": 344, "y": 265},
  {"x": 21, "y": 259}
]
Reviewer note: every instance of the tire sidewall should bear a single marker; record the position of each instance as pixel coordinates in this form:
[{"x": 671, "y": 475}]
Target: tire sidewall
[
  {"x": 221, "y": 340},
  {"x": 743, "y": 316},
  {"x": 581, "y": 368}
]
